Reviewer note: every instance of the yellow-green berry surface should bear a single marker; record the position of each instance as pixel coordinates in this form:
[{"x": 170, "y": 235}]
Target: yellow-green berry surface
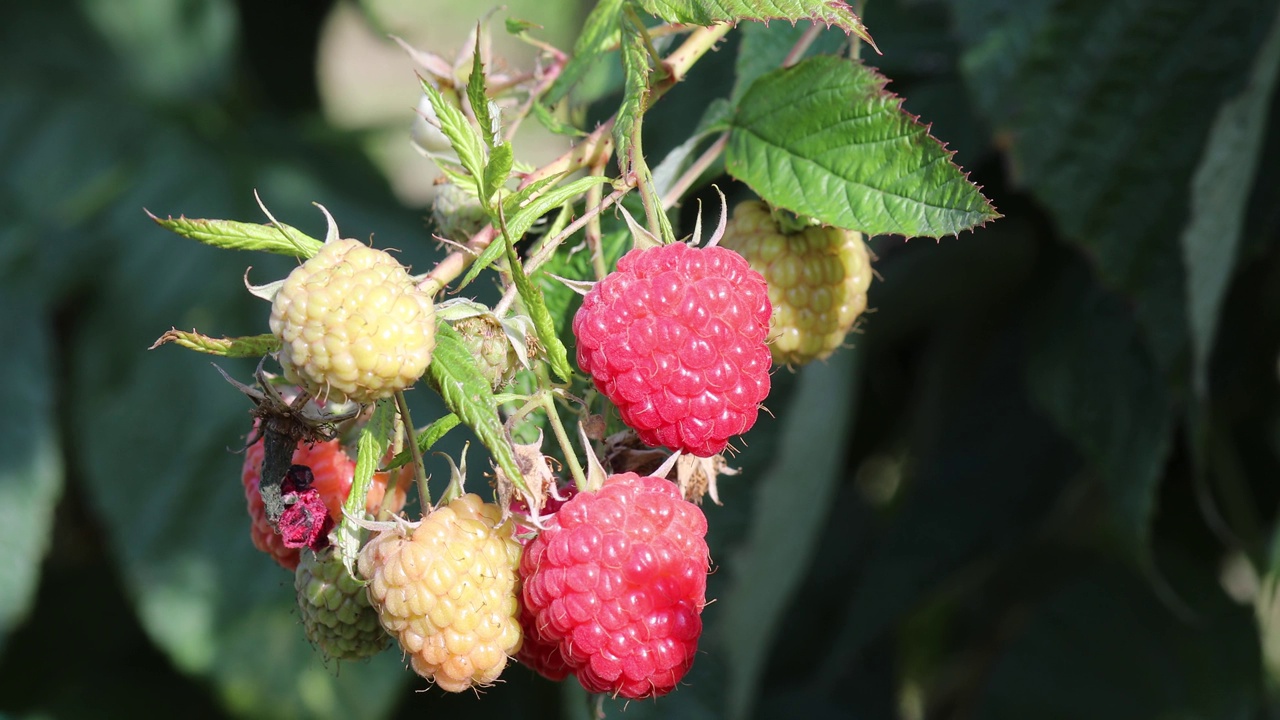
[
  {"x": 353, "y": 325},
  {"x": 447, "y": 590},
  {"x": 818, "y": 280},
  {"x": 335, "y": 609}
]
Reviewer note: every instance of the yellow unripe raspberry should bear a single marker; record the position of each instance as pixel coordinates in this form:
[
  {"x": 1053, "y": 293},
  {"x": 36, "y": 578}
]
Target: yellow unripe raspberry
[
  {"x": 818, "y": 280},
  {"x": 352, "y": 324},
  {"x": 447, "y": 590}
]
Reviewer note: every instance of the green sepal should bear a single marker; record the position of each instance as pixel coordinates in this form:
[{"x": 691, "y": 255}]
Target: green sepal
[
  {"x": 371, "y": 447},
  {"x": 479, "y": 97},
  {"x": 496, "y": 172},
  {"x": 635, "y": 91},
  {"x": 280, "y": 239},
  {"x": 426, "y": 438},
  {"x": 454, "y": 375},
  {"x": 523, "y": 218},
  {"x": 237, "y": 347},
  {"x": 554, "y": 124},
  {"x": 461, "y": 133},
  {"x": 543, "y": 325}
]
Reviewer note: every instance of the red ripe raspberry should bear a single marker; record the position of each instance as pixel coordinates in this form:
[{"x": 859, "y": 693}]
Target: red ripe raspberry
[
  {"x": 676, "y": 339},
  {"x": 617, "y": 581},
  {"x": 538, "y": 653},
  {"x": 332, "y": 470}
]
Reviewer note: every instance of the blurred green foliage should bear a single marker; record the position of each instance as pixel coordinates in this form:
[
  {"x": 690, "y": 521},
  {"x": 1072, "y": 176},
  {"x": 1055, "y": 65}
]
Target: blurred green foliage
[{"x": 1041, "y": 485}]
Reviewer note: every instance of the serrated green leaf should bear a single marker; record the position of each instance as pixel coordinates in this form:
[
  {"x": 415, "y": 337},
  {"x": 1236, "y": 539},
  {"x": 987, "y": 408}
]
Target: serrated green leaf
[
  {"x": 428, "y": 437},
  {"x": 497, "y": 171},
  {"x": 708, "y": 12},
  {"x": 478, "y": 97},
  {"x": 792, "y": 500},
  {"x": 512, "y": 203},
  {"x": 1093, "y": 99},
  {"x": 635, "y": 92},
  {"x": 461, "y": 133},
  {"x": 232, "y": 235},
  {"x": 31, "y": 472},
  {"x": 554, "y": 124},
  {"x": 764, "y": 48},
  {"x": 598, "y": 31},
  {"x": 238, "y": 347},
  {"x": 466, "y": 392},
  {"x": 824, "y": 139},
  {"x": 519, "y": 223},
  {"x": 531, "y": 295}
]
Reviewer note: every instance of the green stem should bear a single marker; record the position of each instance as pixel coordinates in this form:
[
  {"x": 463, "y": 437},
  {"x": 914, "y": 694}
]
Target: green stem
[
  {"x": 570, "y": 457},
  {"x": 419, "y": 468}
]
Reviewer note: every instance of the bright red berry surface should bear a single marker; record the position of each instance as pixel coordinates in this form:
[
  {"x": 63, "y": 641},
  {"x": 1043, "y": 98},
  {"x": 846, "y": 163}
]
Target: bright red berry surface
[
  {"x": 617, "y": 581},
  {"x": 676, "y": 339}
]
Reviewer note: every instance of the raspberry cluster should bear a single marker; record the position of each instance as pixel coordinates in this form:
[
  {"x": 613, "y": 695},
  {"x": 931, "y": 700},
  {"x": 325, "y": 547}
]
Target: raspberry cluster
[
  {"x": 614, "y": 588},
  {"x": 676, "y": 339}
]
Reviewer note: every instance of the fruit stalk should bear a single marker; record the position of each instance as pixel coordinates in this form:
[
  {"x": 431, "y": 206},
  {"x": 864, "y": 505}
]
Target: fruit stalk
[
  {"x": 557, "y": 427},
  {"x": 419, "y": 469}
]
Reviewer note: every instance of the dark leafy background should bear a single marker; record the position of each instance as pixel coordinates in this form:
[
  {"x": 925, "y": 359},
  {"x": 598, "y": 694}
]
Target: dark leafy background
[{"x": 1042, "y": 483}]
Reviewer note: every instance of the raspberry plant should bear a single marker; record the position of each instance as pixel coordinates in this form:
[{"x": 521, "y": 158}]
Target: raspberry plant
[{"x": 672, "y": 342}]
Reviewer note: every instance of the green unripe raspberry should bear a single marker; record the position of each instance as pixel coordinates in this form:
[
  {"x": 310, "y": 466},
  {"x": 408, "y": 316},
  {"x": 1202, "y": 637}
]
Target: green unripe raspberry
[
  {"x": 335, "y": 609},
  {"x": 495, "y": 356},
  {"x": 456, "y": 213},
  {"x": 818, "y": 279},
  {"x": 352, "y": 324}
]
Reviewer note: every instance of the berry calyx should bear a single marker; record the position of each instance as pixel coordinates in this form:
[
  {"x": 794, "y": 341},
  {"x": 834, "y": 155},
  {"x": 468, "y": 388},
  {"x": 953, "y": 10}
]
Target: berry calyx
[
  {"x": 675, "y": 338},
  {"x": 617, "y": 582},
  {"x": 352, "y": 324},
  {"x": 335, "y": 609},
  {"x": 484, "y": 337},
  {"x": 446, "y": 589},
  {"x": 818, "y": 279}
]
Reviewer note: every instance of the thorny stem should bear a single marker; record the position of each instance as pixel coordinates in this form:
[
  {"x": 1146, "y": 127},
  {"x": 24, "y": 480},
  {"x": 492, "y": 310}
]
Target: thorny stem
[
  {"x": 570, "y": 457},
  {"x": 420, "y": 469},
  {"x": 677, "y": 64},
  {"x": 695, "y": 171}
]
